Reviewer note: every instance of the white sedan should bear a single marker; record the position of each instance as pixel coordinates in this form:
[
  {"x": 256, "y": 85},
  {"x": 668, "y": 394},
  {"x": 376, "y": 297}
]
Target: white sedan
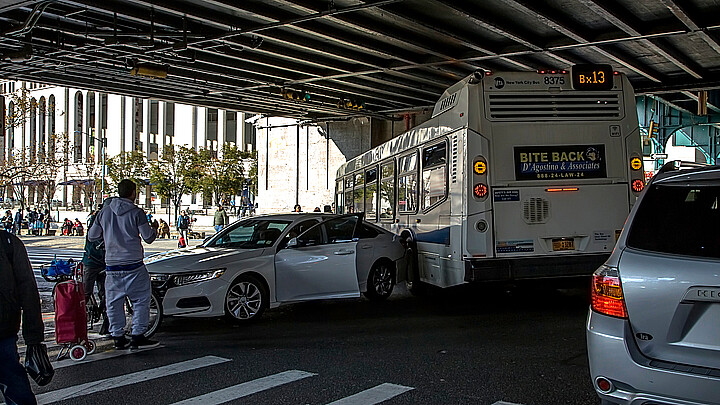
[{"x": 260, "y": 262}]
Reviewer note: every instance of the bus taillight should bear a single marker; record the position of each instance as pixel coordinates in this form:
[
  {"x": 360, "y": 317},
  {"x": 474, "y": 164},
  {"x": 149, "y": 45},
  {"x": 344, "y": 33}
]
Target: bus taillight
[
  {"x": 480, "y": 190},
  {"x": 636, "y": 163},
  {"x": 638, "y": 185}
]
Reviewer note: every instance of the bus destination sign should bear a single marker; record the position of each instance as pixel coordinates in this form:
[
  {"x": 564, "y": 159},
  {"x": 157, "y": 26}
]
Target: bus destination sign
[
  {"x": 556, "y": 162},
  {"x": 592, "y": 77}
]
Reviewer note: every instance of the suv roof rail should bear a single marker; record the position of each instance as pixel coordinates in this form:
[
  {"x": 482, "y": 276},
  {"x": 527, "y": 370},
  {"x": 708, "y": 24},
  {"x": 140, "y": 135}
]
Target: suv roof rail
[{"x": 679, "y": 164}]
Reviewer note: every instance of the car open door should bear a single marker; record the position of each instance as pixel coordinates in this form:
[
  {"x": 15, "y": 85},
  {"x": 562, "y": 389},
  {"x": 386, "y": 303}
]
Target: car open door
[{"x": 320, "y": 263}]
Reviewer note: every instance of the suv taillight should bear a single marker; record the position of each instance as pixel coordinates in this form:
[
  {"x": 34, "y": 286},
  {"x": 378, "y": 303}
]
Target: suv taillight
[{"x": 607, "y": 292}]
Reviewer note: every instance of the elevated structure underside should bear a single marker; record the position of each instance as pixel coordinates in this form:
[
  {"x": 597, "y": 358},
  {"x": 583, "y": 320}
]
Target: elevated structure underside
[{"x": 388, "y": 56}]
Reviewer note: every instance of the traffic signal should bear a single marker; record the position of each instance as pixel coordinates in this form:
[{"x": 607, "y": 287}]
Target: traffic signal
[
  {"x": 351, "y": 104},
  {"x": 653, "y": 129},
  {"x": 295, "y": 95}
]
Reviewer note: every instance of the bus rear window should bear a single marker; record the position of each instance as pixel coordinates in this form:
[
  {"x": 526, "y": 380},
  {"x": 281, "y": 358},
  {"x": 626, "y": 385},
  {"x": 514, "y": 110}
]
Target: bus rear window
[{"x": 678, "y": 219}]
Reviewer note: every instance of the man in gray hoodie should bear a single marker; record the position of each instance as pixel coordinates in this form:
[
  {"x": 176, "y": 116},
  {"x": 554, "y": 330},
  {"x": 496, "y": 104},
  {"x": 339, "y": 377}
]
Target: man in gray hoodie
[{"x": 120, "y": 224}]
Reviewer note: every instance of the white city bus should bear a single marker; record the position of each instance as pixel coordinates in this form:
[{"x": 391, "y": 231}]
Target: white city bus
[{"x": 516, "y": 175}]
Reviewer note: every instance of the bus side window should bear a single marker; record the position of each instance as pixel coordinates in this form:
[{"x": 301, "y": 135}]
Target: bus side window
[
  {"x": 434, "y": 176},
  {"x": 339, "y": 200},
  {"x": 387, "y": 192},
  {"x": 407, "y": 183},
  {"x": 371, "y": 182},
  {"x": 358, "y": 201}
]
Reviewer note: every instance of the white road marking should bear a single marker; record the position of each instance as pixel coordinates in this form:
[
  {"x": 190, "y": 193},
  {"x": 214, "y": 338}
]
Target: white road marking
[
  {"x": 505, "y": 403},
  {"x": 100, "y": 356},
  {"x": 128, "y": 379},
  {"x": 374, "y": 395},
  {"x": 247, "y": 388}
]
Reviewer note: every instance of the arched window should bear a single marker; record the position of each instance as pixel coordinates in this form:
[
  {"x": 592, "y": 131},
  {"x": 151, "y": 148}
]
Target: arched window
[
  {"x": 41, "y": 126},
  {"x": 78, "y": 131},
  {"x": 33, "y": 128},
  {"x": 51, "y": 127},
  {"x": 90, "y": 128}
]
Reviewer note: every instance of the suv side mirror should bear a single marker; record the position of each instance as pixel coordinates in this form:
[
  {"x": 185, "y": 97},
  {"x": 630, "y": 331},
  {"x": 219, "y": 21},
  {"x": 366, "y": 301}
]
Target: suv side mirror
[{"x": 292, "y": 243}]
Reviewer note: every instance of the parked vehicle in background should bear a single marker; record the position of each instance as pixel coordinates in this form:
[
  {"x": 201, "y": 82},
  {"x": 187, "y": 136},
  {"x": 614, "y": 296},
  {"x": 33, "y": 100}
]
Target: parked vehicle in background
[
  {"x": 260, "y": 262},
  {"x": 653, "y": 332}
]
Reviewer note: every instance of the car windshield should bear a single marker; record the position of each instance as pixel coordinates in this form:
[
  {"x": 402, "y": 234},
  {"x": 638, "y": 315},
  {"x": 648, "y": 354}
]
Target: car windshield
[
  {"x": 250, "y": 234},
  {"x": 676, "y": 219}
]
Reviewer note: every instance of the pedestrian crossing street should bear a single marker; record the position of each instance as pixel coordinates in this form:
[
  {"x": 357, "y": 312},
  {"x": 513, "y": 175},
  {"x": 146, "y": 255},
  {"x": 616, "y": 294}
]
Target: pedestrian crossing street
[{"x": 372, "y": 395}]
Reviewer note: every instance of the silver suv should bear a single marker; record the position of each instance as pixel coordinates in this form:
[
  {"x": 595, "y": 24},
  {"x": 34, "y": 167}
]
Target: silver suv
[{"x": 653, "y": 332}]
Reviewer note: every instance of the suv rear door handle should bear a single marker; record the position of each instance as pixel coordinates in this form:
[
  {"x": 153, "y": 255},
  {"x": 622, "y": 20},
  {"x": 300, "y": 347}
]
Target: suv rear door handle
[
  {"x": 344, "y": 252},
  {"x": 365, "y": 246}
]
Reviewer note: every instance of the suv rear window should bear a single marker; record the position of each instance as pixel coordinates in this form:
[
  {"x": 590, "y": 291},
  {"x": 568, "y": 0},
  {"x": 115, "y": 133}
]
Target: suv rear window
[{"x": 678, "y": 219}]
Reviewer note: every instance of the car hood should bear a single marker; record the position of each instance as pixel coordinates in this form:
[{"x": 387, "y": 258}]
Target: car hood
[{"x": 197, "y": 258}]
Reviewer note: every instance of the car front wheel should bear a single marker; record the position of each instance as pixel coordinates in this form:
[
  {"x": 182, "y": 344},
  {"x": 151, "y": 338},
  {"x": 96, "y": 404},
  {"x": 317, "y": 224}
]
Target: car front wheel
[
  {"x": 380, "y": 282},
  {"x": 246, "y": 299}
]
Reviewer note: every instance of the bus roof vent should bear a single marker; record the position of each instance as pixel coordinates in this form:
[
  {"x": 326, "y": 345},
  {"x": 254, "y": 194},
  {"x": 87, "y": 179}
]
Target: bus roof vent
[
  {"x": 445, "y": 104},
  {"x": 541, "y": 106},
  {"x": 536, "y": 210}
]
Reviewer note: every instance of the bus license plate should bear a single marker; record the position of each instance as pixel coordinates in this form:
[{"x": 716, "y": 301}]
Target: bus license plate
[{"x": 563, "y": 244}]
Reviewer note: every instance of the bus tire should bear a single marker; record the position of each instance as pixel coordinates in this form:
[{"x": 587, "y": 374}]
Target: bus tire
[{"x": 412, "y": 282}]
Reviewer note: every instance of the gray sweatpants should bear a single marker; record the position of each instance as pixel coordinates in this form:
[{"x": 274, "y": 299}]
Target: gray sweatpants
[{"x": 134, "y": 284}]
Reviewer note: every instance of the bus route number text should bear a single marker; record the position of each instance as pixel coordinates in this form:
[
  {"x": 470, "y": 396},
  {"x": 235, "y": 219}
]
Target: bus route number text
[{"x": 595, "y": 77}]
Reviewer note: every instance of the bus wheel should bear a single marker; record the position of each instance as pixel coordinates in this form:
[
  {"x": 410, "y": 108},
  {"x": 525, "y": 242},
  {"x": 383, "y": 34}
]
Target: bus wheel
[{"x": 412, "y": 282}]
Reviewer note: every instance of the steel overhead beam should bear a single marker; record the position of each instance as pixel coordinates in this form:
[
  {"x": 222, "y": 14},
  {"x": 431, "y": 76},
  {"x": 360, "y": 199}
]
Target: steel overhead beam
[
  {"x": 230, "y": 65},
  {"x": 263, "y": 65},
  {"x": 327, "y": 36},
  {"x": 677, "y": 86},
  {"x": 694, "y": 96},
  {"x": 387, "y": 52},
  {"x": 503, "y": 32},
  {"x": 563, "y": 29},
  {"x": 626, "y": 27},
  {"x": 352, "y": 23},
  {"x": 294, "y": 21},
  {"x": 315, "y": 47},
  {"x": 430, "y": 28},
  {"x": 685, "y": 18}
]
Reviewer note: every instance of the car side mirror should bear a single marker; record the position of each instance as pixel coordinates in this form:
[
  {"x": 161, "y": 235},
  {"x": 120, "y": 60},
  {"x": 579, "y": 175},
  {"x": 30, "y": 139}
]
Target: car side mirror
[{"x": 292, "y": 243}]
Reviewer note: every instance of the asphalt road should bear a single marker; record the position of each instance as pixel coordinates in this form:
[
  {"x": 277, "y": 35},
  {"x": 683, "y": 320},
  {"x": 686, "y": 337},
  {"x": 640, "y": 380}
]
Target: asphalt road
[{"x": 459, "y": 346}]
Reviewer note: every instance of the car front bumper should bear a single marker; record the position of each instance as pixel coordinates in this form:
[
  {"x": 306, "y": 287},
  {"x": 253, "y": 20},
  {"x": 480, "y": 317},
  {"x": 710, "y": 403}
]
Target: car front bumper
[
  {"x": 188, "y": 300},
  {"x": 636, "y": 379}
]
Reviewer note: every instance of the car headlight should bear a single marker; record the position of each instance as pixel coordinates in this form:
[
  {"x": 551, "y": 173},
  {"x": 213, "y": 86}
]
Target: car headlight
[
  {"x": 159, "y": 277},
  {"x": 189, "y": 278}
]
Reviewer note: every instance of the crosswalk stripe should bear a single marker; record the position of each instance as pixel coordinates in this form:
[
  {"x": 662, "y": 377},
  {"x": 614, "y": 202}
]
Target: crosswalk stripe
[
  {"x": 247, "y": 388},
  {"x": 128, "y": 379},
  {"x": 100, "y": 356},
  {"x": 374, "y": 395}
]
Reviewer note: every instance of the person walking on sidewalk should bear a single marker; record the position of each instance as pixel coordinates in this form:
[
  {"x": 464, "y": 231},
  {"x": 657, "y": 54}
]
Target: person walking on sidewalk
[
  {"x": 19, "y": 298},
  {"x": 93, "y": 261},
  {"x": 221, "y": 219},
  {"x": 121, "y": 225},
  {"x": 17, "y": 224},
  {"x": 183, "y": 225}
]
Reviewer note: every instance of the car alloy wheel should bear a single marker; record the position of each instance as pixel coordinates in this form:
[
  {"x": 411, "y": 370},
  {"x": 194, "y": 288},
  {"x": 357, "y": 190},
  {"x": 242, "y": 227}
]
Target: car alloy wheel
[
  {"x": 245, "y": 299},
  {"x": 380, "y": 282}
]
